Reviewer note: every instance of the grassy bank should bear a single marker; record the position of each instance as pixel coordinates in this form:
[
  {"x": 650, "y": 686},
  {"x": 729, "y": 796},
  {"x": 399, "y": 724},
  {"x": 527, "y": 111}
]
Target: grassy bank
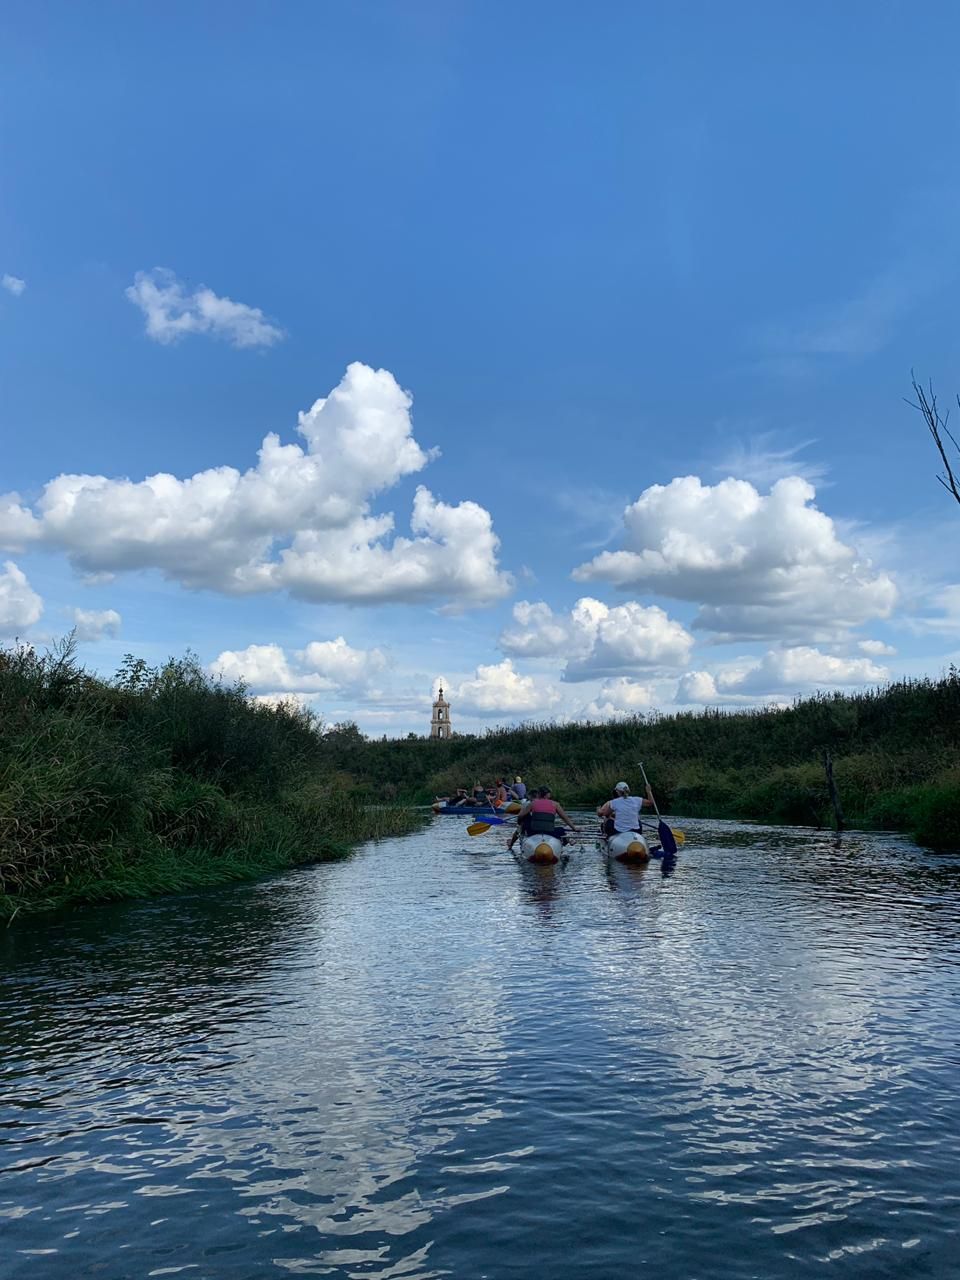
[
  {"x": 896, "y": 754},
  {"x": 156, "y": 781}
]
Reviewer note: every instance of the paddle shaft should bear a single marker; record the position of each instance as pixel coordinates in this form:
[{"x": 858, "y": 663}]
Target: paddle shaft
[
  {"x": 667, "y": 839},
  {"x": 646, "y": 783}
]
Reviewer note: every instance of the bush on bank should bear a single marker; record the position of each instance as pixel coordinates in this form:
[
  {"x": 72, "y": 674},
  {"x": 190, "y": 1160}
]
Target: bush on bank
[{"x": 155, "y": 781}]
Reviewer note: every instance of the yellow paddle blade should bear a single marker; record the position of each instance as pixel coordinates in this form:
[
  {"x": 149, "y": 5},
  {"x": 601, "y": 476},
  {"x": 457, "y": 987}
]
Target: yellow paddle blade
[
  {"x": 478, "y": 828},
  {"x": 678, "y": 836}
]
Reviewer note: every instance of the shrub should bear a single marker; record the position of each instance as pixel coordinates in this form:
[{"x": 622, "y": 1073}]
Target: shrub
[{"x": 935, "y": 813}]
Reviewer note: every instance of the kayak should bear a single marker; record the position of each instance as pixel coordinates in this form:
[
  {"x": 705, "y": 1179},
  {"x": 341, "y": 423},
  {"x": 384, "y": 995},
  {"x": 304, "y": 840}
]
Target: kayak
[
  {"x": 541, "y": 848},
  {"x": 465, "y": 811},
  {"x": 475, "y": 811},
  {"x": 629, "y": 846}
]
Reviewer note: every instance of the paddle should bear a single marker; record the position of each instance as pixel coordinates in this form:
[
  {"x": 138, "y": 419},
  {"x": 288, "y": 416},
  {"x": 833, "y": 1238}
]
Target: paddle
[
  {"x": 668, "y": 841},
  {"x": 478, "y": 828}
]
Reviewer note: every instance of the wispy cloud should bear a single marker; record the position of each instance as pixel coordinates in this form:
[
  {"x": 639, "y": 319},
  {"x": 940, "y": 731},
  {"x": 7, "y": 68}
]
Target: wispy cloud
[
  {"x": 942, "y": 613},
  {"x": 852, "y": 327},
  {"x": 172, "y": 312},
  {"x": 13, "y": 284},
  {"x": 593, "y": 511},
  {"x": 758, "y": 459}
]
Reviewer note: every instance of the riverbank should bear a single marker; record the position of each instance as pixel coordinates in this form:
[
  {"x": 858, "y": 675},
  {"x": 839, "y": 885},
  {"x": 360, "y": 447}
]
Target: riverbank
[
  {"x": 158, "y": 781},
  {"x": 118, "y": 873}
]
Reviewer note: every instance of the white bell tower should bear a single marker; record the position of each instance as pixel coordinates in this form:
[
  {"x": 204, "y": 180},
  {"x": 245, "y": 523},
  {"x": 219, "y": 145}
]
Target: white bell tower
[{"x": 440, "y": 720}]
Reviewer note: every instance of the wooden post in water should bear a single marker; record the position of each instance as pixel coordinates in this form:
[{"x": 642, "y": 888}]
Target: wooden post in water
[{"x": 832, "y": 789}]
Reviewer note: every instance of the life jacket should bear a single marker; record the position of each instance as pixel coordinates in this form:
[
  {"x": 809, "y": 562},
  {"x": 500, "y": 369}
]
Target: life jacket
[{"x": 543, "y": 817}]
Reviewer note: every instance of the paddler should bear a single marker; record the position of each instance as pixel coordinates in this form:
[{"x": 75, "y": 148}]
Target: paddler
[
  {"x": 622, "y": 813},
  {"x": 519, "y": 789},
  {"x": 540, "y": 816}
]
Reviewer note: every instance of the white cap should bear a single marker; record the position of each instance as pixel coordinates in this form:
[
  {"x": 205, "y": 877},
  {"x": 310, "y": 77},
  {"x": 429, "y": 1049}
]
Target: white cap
[{"x": 622, "y": 786}]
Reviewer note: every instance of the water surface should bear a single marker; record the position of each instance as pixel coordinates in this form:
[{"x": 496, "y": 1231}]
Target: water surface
[{"x": 429, "y": 1062}]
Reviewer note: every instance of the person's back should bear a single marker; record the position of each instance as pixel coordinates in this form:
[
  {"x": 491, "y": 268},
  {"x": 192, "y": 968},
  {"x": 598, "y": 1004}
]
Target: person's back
[
  {"x": 626, "y": 812},
  {"x": 622, "y": 812},
  {"x": 541, "y": 816},
  {"x": 519, "y": 789}
]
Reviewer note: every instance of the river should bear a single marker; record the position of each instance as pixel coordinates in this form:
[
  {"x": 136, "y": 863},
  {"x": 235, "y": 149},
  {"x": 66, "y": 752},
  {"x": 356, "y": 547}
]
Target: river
[{"x": 428, "y": 1061}]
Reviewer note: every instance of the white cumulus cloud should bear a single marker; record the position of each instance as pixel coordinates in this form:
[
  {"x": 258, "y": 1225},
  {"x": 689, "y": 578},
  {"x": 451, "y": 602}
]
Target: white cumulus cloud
[
  {"x": 94, "y": 624},
  {"x": 758, "y": 565},
  {"x": 697, "y": 686},
  {"x": 500, "y": 690},
  {"x": 20, "y": 606},
  {"x": 538, "y": 632},
  {"x": 322, "y": 666},
  {"x": 598, "y": 640},
  {"x": 454, "y": 555},
  {"x": 299, "y": 520},
  {"x": 799, "y": 669},
  {"x": 18, "y": 525},
  {"x": 619, "y": 697},
  {"x": 13, "y": 284},
  {"x": 876, "y": 648},
  {"x": 172, "y": 312}
]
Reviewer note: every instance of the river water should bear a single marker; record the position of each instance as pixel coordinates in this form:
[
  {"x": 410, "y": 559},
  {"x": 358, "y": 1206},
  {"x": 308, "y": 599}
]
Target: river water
[{"x": 428, "y": 1061}]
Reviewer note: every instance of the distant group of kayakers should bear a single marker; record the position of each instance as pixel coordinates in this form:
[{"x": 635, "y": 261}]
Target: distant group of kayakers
[{"x": 494, "y": 796}]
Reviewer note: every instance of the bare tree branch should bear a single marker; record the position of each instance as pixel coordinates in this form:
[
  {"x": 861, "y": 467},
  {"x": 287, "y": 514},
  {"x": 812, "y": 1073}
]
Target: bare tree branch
[{"x": 926, "y": 404}]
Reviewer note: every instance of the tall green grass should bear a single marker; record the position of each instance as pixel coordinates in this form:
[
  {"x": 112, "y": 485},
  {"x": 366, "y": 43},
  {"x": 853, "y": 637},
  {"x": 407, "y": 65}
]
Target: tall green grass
[{"x": 157, "y": 780}]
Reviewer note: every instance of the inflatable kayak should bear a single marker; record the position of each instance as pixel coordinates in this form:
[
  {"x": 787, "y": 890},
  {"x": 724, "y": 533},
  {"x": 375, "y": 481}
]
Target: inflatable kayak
[
  {"x": 541, "y": 848},
  {"x": 630, "y": 846}
]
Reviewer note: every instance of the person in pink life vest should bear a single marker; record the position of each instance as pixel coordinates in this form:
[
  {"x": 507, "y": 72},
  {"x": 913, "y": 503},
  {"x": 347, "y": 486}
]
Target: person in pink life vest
[{"x": 540, "y": 816}]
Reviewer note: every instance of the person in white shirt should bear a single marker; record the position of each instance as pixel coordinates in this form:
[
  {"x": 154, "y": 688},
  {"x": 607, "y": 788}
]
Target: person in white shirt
[{"x": 622, "y": 813}]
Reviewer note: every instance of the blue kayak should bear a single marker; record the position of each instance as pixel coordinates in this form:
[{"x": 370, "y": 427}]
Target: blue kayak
[{"x": 470, "y": 811}]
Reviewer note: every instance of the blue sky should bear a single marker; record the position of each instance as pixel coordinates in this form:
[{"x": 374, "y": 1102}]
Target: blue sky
[{"x": 673, "y": 261}]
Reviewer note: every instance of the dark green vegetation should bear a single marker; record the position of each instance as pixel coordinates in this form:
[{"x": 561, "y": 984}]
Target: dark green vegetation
[
  {"x": 156, "y": 781},
  {"x": 896, "y": 754}
]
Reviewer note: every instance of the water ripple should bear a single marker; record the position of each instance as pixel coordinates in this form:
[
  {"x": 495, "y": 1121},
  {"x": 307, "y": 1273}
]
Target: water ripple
[{"x": 430, "y": 1061}]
